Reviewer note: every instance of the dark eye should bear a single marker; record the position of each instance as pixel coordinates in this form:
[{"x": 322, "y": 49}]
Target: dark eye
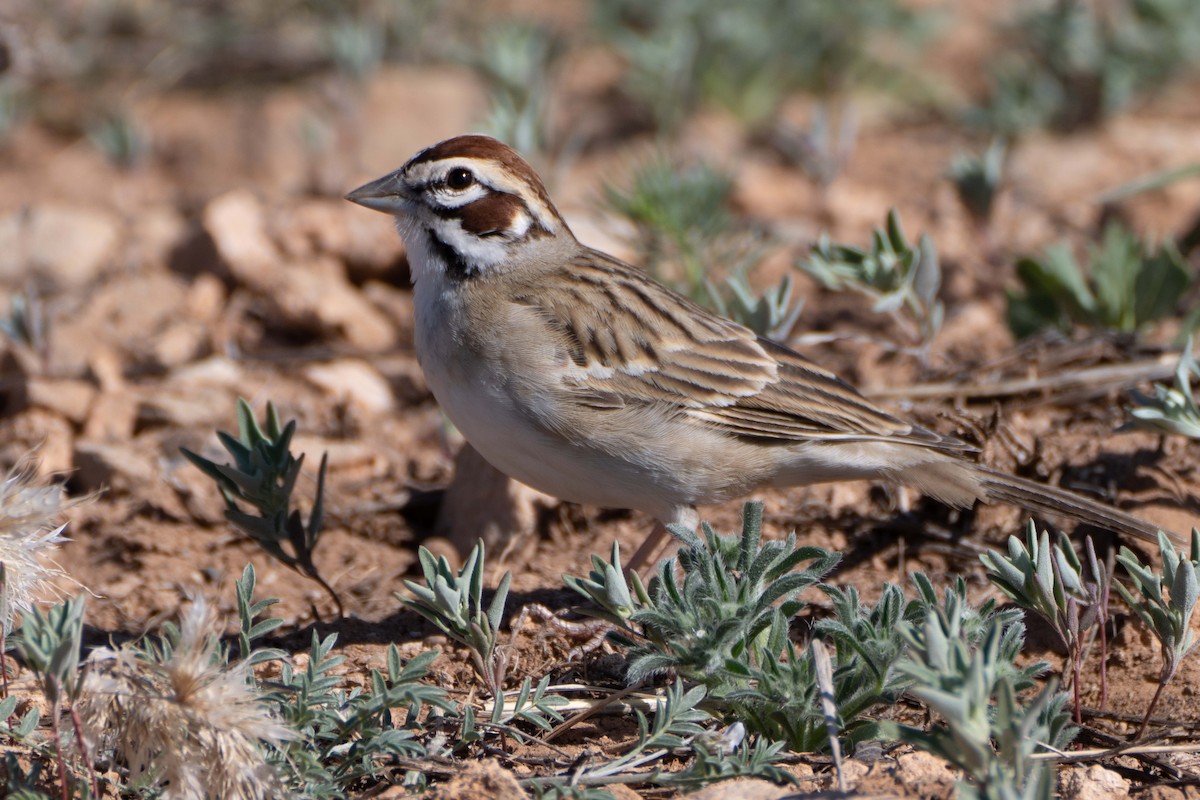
[{"x": 459, "y": 179}]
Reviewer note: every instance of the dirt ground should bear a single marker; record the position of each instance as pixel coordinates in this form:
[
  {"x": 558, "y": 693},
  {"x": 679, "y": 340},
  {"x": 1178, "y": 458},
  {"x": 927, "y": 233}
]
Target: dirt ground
[{"x": 228, "y": 265}]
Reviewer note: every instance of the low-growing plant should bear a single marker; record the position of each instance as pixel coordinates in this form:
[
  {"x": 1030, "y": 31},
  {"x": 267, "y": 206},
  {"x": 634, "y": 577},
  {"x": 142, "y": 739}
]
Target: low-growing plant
[
  {"x": 1165, "y": 603},
  {"x": 751, "y": 56},
  {"x": 968, "y": 678},
  {"x": 1050, "y": 581},
  {"x": 1126, "y": 286},
  {"x": 517, "y": 60},
  {"x": 263, "y": 476},
  {"x": 1070, "y": 64},
  {"x": 977, "y": 179},
  {"x": 901, "y": 278},
  {"x": 1172, "y": 409},
  {"x": 823, "y": 147}
]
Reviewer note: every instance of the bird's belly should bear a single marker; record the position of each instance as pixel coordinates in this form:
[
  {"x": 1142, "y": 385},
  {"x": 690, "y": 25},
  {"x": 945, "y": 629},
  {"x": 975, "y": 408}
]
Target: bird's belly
[{"x": 510, "y": 442}]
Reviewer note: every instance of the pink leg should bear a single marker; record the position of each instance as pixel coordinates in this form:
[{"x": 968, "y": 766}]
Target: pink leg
[{"x": 649, "y": 548}]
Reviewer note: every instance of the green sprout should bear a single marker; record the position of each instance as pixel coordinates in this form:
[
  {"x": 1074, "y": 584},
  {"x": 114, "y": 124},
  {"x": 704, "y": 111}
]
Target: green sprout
[
  {"x": 1050, "y": 581},
  {"x": 977, "y": 179},
  {"x": 896, "y": 275},
  {"x": 1171, "y": 409},
  {"x": 1165, "y": 604},
  {"x": 263, "y": 476},
  {"x": 1126, "y": 286}
]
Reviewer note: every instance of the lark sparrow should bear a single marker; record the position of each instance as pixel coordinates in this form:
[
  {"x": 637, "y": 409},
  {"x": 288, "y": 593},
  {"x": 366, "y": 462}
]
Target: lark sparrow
[{"x": 581, "y": 376}]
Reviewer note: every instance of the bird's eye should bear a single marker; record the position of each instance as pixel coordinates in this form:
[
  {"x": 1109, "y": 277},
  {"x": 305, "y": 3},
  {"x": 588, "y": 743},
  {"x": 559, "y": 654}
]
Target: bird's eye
[{"x": 459, "y": 179}]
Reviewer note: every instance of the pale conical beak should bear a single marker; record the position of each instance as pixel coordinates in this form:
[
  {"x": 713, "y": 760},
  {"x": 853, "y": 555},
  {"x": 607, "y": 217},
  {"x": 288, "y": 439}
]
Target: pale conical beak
[{"x": 387, "y": 194}]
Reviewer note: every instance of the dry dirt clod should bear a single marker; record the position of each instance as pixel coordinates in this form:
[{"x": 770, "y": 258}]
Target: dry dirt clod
[
  {"x": 742, "y": 789},
  {"x": 1093, "y": 782},
  {"x": 484, "y": 503},
  {"x": 355, "y": 381},
  {"x": 68, "y": 247}
]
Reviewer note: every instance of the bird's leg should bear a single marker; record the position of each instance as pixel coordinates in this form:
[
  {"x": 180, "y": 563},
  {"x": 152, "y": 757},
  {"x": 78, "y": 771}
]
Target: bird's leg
[{"x": 646, "y": 552}]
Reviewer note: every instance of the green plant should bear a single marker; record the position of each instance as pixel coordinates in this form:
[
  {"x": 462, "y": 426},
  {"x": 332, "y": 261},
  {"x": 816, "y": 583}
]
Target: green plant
[
  {"x": 1171, "y": 409},
  {"x": 725, "y": 626},
  {"x": 1126, "y": 286},
  {"x": 1165, "y": 604},
  {"x": 50, "y": 644},
  {"x": 1071, "y": 63},
  {"x": 895, "y": 274},
  {"x": 25, "y": 324},
  {"x": 749, "y": 57},
  {"x": 454, "y": 603},
  {"x": 968, "y": 678},
  {"x": 1050, "y": 581},
  {"x": 263, "y": 475},
  {"x": 517, "y": 60},
  {"x": 121, "y": 139},
  {"x": 977, "y": 178}
]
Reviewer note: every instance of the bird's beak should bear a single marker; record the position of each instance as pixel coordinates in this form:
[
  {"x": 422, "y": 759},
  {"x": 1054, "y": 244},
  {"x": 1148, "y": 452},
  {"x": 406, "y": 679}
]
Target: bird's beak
[{"x": 387, "y": 194}]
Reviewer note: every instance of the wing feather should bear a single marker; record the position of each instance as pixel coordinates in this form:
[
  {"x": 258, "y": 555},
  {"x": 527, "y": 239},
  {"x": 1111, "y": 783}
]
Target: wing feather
[{"x": 634, "y": 341}]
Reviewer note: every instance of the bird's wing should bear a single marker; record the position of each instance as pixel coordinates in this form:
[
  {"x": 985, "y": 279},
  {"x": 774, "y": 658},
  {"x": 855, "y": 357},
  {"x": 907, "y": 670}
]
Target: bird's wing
[{"x": 627, "y": 340}]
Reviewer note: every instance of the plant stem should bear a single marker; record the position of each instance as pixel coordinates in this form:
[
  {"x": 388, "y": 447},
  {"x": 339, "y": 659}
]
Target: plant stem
[
  {"x": 1150, "y": 710},
  {"x": 83, "y": 750},
  {"x": 58, "y": 751}
]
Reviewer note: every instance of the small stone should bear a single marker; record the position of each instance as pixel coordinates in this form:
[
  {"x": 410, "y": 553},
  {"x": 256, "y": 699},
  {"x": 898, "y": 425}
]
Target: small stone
[
  {"x": 205, "y": 298},
  {"x": 68, "y": 396},
  {"x": 925, "y": 774},
  {"x": 1092, "y": 783},
  {"x": 237, "y": 225},
  {"x": 179, "y": 343},
  {"x": 121, "y": 468},
  {"x": 67, "y": 246},
  {"x": 355, "y": 381},
  {"x": 112, "y": 417},
  {"x": 319, "y": 290},
  {"x": 44, "y": 434},
  {"x": 215, "y": 370},
  {"x": 742, "y": 789}
]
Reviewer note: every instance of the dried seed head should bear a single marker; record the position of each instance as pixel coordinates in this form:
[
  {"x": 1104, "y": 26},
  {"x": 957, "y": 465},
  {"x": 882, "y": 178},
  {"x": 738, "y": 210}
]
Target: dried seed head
[
  {"x": 29, "y": 532},
  {"x": 186, "y": 721}
]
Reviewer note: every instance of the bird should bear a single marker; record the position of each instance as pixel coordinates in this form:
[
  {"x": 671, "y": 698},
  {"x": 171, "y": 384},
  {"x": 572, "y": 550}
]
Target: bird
[{"x": 581, "y": 376}]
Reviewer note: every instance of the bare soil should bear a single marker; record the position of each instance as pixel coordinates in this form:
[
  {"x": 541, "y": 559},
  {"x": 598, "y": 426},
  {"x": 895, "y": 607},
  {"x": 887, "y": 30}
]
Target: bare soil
[{"x": 226, "y": 265}]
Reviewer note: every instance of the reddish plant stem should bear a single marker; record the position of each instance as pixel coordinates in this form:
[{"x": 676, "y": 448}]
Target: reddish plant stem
[
  {"x": 83, "y": 751},
  {"x": 58, "y": 751},
  {"x": 1150, "y": 710}
]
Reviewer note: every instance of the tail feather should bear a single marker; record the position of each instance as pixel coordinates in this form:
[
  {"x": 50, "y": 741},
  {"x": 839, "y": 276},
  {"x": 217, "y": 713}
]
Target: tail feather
[{"x": 1042, "y": 499}]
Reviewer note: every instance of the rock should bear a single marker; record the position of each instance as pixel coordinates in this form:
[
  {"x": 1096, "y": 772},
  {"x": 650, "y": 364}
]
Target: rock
[
  {"x": 44, "y": 434},
  {"x": 112, "y": 417},
  {"x": 367, "y": 244},
  {"x": 121, "y": 468},
  {"x": 484, "y": 503},
  {"x": 67, "y": 247},
  {"x": 237, "y": 225},
  {"x": 69, "y": 397},
  {"x": 202, "y": 406},
  {"x": 355, "y": 381},
  {"x": 319, "y": 291},
  {"x": 1093, "y": 782},
  {"x": 304, "y": 293},
  {"x": 179, "y": 343},
  {"x": 485, "y": 778},
  {"x": 925, "y": 774},
  {"x": 205, "y": 298},
  {"x": 742, "y": 789},
  {"x": 125, "y": 316},
  {"x": 215, "y": 370}
]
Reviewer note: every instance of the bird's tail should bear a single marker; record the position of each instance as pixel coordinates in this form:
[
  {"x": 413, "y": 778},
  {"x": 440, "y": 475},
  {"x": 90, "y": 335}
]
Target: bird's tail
[{"x": 1042, "y": 499}]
